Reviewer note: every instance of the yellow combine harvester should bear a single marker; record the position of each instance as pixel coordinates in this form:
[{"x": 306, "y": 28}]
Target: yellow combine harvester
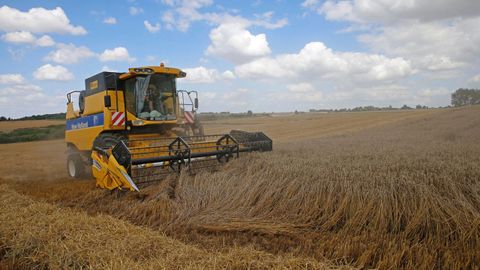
[{"x": 134, "y": 128}]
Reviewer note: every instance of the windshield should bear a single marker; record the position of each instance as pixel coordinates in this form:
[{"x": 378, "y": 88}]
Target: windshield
[{"x": 151, "y": 97}]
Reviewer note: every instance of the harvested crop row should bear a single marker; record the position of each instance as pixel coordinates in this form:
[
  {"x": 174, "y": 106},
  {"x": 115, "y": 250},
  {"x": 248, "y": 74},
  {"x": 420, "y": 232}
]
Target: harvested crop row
[{"x": 40, "y": 235}]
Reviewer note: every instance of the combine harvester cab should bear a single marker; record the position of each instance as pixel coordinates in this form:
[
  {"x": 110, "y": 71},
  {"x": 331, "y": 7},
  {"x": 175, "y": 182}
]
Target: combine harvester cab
[
  {"x": 134, "y": 128},
  {"x": 136, "y": 163}
]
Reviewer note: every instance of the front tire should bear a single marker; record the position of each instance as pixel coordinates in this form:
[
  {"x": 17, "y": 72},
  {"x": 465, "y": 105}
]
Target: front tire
[
  {"x": 108, "y": 140},
  {"x": 75, "y": 166}
]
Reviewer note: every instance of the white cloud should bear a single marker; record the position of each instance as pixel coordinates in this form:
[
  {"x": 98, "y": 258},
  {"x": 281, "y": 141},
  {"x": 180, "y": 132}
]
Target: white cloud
[
  {"x": 208, "y": 95},
  {"x": 23, "y": 88},
  {"x": 300, "y": 88},
  {"x": 11, "y": 79},
  {"x": 200, "y": 75},
  {"x": 110, "y": 20},
  {"x": 475, "y": 78},
  {"x": 45, "y": 41},
  {"x": 107, "y": 68},
  {"x": 19, "y": 37},
  {"x": 184, "y": 13},
  {"x": 204, "y": 75},
  {"x": 310, "y": 3},
  {"x": 316, "y": 61},
  {"x": 265, "y": 20},
  {"x": 239, "y": 99},
  {"x": 69, "y": 54},
  {"x": 37, "y": 20},
  {"x": 20, "y": 98},
  {"x": 342, "y": 10},
  {"x": 53, "y": 73},
  {"x": 151, "y": 28},
  {"x": 235, "y": 43},
  {"x": 118, "y": 54},
  {"x": 430, "y": 45},
  {"x": 24, "y": 37},
  {"x": 17, "y": 96},
  {"x": 168, "y": 19},
  {"x": 433, "y": 35},
  {"x": 433, "y": 92},
  {"x": 390, "y": 11},
  {"x": 228, "y": 75},
  {"x": 229, "y": 99},
  {"x": 135, "y": 10},
  {"x": 300, "y": 92},
  {"x": 23, "y": 99}
]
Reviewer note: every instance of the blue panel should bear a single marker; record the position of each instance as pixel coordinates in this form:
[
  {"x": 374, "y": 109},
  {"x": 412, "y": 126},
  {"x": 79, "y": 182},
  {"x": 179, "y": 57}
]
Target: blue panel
[{"x": 85, "y": 122}]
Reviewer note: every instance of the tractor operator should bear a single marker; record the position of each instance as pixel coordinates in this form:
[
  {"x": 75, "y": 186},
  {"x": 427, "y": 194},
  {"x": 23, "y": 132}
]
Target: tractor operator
[
  {"x": 154, "y": 102},
  {"x": 150, "y": 98}
]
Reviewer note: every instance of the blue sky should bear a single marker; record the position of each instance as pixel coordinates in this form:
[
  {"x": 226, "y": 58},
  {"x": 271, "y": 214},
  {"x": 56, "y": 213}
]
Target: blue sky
[{"x": 244, "y": 55}]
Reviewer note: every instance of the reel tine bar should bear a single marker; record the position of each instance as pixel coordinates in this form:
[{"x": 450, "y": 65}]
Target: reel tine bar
[{"x": 179, "y": 148}]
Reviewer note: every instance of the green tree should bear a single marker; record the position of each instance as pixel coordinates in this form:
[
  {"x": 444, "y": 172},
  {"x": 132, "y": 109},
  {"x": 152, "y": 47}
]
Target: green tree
[{"x": 463, "y": 97}]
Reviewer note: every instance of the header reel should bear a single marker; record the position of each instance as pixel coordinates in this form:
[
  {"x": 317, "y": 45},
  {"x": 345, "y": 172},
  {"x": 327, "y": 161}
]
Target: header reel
[{"x": 137, "y": 163}]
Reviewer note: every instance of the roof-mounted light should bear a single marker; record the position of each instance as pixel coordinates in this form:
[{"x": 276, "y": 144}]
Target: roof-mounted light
[{"x": 143, "y": 70}]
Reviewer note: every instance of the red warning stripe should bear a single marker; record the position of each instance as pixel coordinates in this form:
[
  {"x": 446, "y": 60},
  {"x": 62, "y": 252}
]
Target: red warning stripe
[
  {"x": 118, "y": 119},
  {"x": 189, "y": 117}
]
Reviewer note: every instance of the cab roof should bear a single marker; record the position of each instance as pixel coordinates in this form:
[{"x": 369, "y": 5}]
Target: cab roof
[{"x": 152, "y": 70}]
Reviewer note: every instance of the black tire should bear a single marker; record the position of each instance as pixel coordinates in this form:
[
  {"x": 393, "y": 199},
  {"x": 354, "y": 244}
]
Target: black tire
[
  {"x": 197, "y": 128},
  {"x": 108, "y": 140},
  {"x": 75, "y": 166}
]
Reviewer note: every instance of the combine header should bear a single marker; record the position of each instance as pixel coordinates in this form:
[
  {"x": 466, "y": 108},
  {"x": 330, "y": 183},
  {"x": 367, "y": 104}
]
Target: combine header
[
  {"x": 135, "y": 128},
  {"x": 140, "y": 162}
]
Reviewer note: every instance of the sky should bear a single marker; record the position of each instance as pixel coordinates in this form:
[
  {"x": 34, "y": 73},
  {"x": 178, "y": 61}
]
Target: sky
[{"x": 264, "y": 56}]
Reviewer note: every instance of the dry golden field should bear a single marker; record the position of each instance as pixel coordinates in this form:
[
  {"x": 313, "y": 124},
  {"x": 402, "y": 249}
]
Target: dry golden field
[
  {"x": 381, "y": 190},
  {"x": 7, "y": 126}
]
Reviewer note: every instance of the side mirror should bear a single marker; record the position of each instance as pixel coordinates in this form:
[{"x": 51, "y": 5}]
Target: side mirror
[
  {"x": 107, "y": 101},
  {"x": 196, "y": 103}
]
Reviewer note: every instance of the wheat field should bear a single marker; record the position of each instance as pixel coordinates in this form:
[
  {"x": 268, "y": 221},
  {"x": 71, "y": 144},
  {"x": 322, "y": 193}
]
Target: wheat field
[{"x": 387, "y": 190}]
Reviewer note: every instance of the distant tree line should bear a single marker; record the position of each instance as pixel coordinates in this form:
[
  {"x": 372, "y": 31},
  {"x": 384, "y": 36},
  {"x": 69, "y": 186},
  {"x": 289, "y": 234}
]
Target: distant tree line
[
  {"x": 3, "y": 118},
  {"x": 370, "y": 109},
  {"x": 205, "y": 116},
  {"x": 464, "y": 97},
  {"x": 51, "y": 116}
]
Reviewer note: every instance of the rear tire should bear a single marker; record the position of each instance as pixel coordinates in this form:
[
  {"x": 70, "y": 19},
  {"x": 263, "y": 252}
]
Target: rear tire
[
  {"x": 197, "y": 128},
  {"x": 75, "y": 166}
]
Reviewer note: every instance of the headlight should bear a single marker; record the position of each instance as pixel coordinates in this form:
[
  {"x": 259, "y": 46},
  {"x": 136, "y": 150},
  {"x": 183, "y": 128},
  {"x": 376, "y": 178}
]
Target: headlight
[{"x": 138, "y": 122}]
